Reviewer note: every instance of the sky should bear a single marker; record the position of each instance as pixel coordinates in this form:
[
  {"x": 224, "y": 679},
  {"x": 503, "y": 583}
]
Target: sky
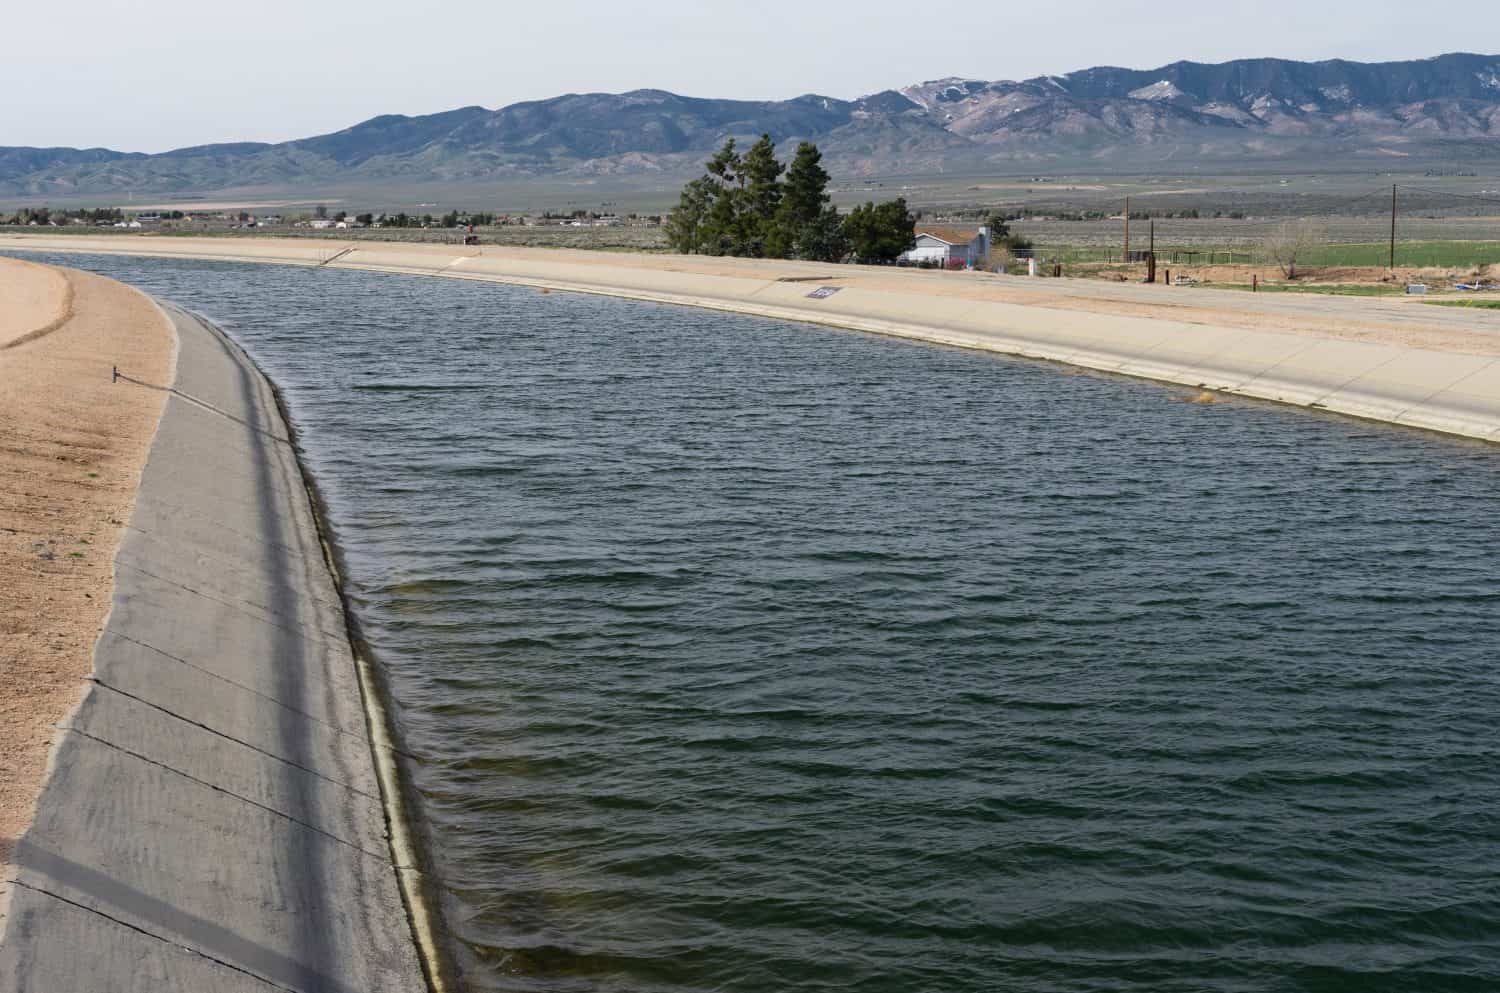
[{"x": 151, "y": 75}]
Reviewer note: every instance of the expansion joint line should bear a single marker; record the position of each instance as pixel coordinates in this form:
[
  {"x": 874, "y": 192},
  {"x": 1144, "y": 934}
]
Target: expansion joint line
[
  {"x": 240, "y": 686},
  {"x": 73, "y": 729},
  {"x": 229, "y": 737},
  {"x": 305, "y": 632},
  {"x": 178, "y": 508},
  {"x": 1341, "y": 387},
  {"x": 153, "y": 935},
  {"x": 1444, "y": 389}
]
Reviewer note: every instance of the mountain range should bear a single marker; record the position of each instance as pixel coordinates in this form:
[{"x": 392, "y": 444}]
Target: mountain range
[{"x": 1254, "y": 113}]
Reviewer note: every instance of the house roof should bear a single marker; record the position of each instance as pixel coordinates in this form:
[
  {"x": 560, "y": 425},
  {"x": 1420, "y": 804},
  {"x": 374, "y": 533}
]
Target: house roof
[{"x": 947, "y": 235}]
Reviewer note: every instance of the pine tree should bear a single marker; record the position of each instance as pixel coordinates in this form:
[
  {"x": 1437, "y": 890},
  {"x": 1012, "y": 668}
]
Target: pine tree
[
  {"x": 823, "y": 240},
  {"x": 761, "y": 175},
  {"x": 998, "y": 225},
  {"x": 881, "y": 232},
  {"x": 806, "y": 185},
  {"x": 685, "y": 225},
  {"x": 804, "y": 197},
  {"x": 721, "y": 224}
]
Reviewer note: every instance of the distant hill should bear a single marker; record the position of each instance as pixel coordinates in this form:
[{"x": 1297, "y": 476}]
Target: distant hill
[{"x": 1249, "y": 113}]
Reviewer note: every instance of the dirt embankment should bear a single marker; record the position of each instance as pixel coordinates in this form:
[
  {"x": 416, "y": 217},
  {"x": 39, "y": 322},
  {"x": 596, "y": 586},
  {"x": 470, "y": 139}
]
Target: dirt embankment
[
  {"x": 72, "y": 446},
  {"x": 37, "y": 299}
]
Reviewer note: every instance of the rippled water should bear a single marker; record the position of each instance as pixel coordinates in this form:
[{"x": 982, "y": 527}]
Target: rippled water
[{"x": 746, "y": 656}]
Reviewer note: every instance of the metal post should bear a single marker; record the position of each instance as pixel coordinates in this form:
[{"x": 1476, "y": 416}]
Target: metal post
[
  {"x": 1126, "y": 257},
  {"x": 1393, "y": 226},
  {"x": 1151, "y": 251}
]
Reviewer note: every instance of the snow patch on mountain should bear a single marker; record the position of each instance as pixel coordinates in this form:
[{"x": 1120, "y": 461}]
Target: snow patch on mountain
[{"x": 1160, "y": 90}]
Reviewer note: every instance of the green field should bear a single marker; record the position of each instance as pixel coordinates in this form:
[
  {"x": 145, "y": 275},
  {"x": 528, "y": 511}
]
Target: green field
[
  {"x": 1465, "y": 254},
  {"x": 1409, "y": 254},
  {"x": 1325, "y": 289},
  {"x": 1481, "y": 304}
]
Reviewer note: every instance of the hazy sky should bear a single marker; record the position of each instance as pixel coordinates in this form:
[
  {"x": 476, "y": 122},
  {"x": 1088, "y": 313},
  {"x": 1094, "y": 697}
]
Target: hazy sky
[{"x": 148, "y": 75}]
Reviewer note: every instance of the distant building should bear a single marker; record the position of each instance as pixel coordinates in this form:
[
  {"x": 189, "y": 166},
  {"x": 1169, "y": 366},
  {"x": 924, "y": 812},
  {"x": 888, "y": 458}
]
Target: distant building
[
  {"x": 321, "y": 223},
  {"x": 942, "y": 245}
]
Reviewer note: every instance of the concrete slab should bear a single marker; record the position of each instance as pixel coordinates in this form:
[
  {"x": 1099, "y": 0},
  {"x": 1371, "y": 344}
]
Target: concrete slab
[
  {"x": 1468, "y": 405},
  {"x": 1317, "y": 373},
  {"x": 207, "y": 870},
  {"x": 301, "y": 782},
  {"x": 202, "y": 565},
  {"x": 309, "y": 665},
  {"x": 47, "y": 932}
]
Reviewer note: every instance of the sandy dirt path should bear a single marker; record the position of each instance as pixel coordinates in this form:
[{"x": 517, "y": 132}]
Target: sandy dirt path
[{"x": 72, "y": 445}]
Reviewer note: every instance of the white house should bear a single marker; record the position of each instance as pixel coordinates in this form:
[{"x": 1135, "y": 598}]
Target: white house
[{"x": 941, "y": 245}]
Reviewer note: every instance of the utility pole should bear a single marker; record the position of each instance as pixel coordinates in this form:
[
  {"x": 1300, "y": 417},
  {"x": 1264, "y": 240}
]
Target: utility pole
[
  {"x": 1126, "y": 257},
  {"x": 1151, "y": 255},
  {"x": 1393, "y": 227}
]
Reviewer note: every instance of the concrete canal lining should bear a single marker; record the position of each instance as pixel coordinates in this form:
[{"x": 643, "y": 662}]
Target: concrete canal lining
[
  {"x": 215, "y": 818},
  {"x": 1401, "y": 362}
]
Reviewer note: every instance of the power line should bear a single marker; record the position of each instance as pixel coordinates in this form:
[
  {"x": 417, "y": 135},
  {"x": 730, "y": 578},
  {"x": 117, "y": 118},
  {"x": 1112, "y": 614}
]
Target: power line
[
  {"x": 1458, "y": 196},
  {"x": 1332, "y": 203}
]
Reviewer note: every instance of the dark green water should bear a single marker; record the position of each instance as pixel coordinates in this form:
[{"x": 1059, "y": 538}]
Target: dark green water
[{"x": 744, "y": 656}]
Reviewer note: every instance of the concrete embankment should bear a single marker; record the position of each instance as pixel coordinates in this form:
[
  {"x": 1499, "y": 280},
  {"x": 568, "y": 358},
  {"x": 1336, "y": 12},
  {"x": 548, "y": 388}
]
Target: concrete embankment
[
  {"x": 1397, "y": 361},
  {"x": 214, "y": 820}
]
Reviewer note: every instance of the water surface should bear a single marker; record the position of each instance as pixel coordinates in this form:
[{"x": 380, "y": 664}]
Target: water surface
[{"x": 749, "y": 656}]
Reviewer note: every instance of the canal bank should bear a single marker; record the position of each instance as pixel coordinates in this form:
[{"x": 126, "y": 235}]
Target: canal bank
[
  {"x": 220, "y": 809},
  {"x": 1401, "y": 362}
]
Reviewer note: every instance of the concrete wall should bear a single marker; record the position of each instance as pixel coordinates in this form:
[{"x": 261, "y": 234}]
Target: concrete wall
[
  {"x": 1447, "y": 391},
  {"x": 214, "y": 820}
]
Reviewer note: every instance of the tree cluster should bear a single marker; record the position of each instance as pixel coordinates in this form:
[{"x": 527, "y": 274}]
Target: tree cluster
[
  {"x": 455, "y": 219},
  {"x": 1002, "y": 239},
  {"x": 405, "y": 220},
  {"x": 752, "y": 205},
  {"x": 52, "y": 215}
]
